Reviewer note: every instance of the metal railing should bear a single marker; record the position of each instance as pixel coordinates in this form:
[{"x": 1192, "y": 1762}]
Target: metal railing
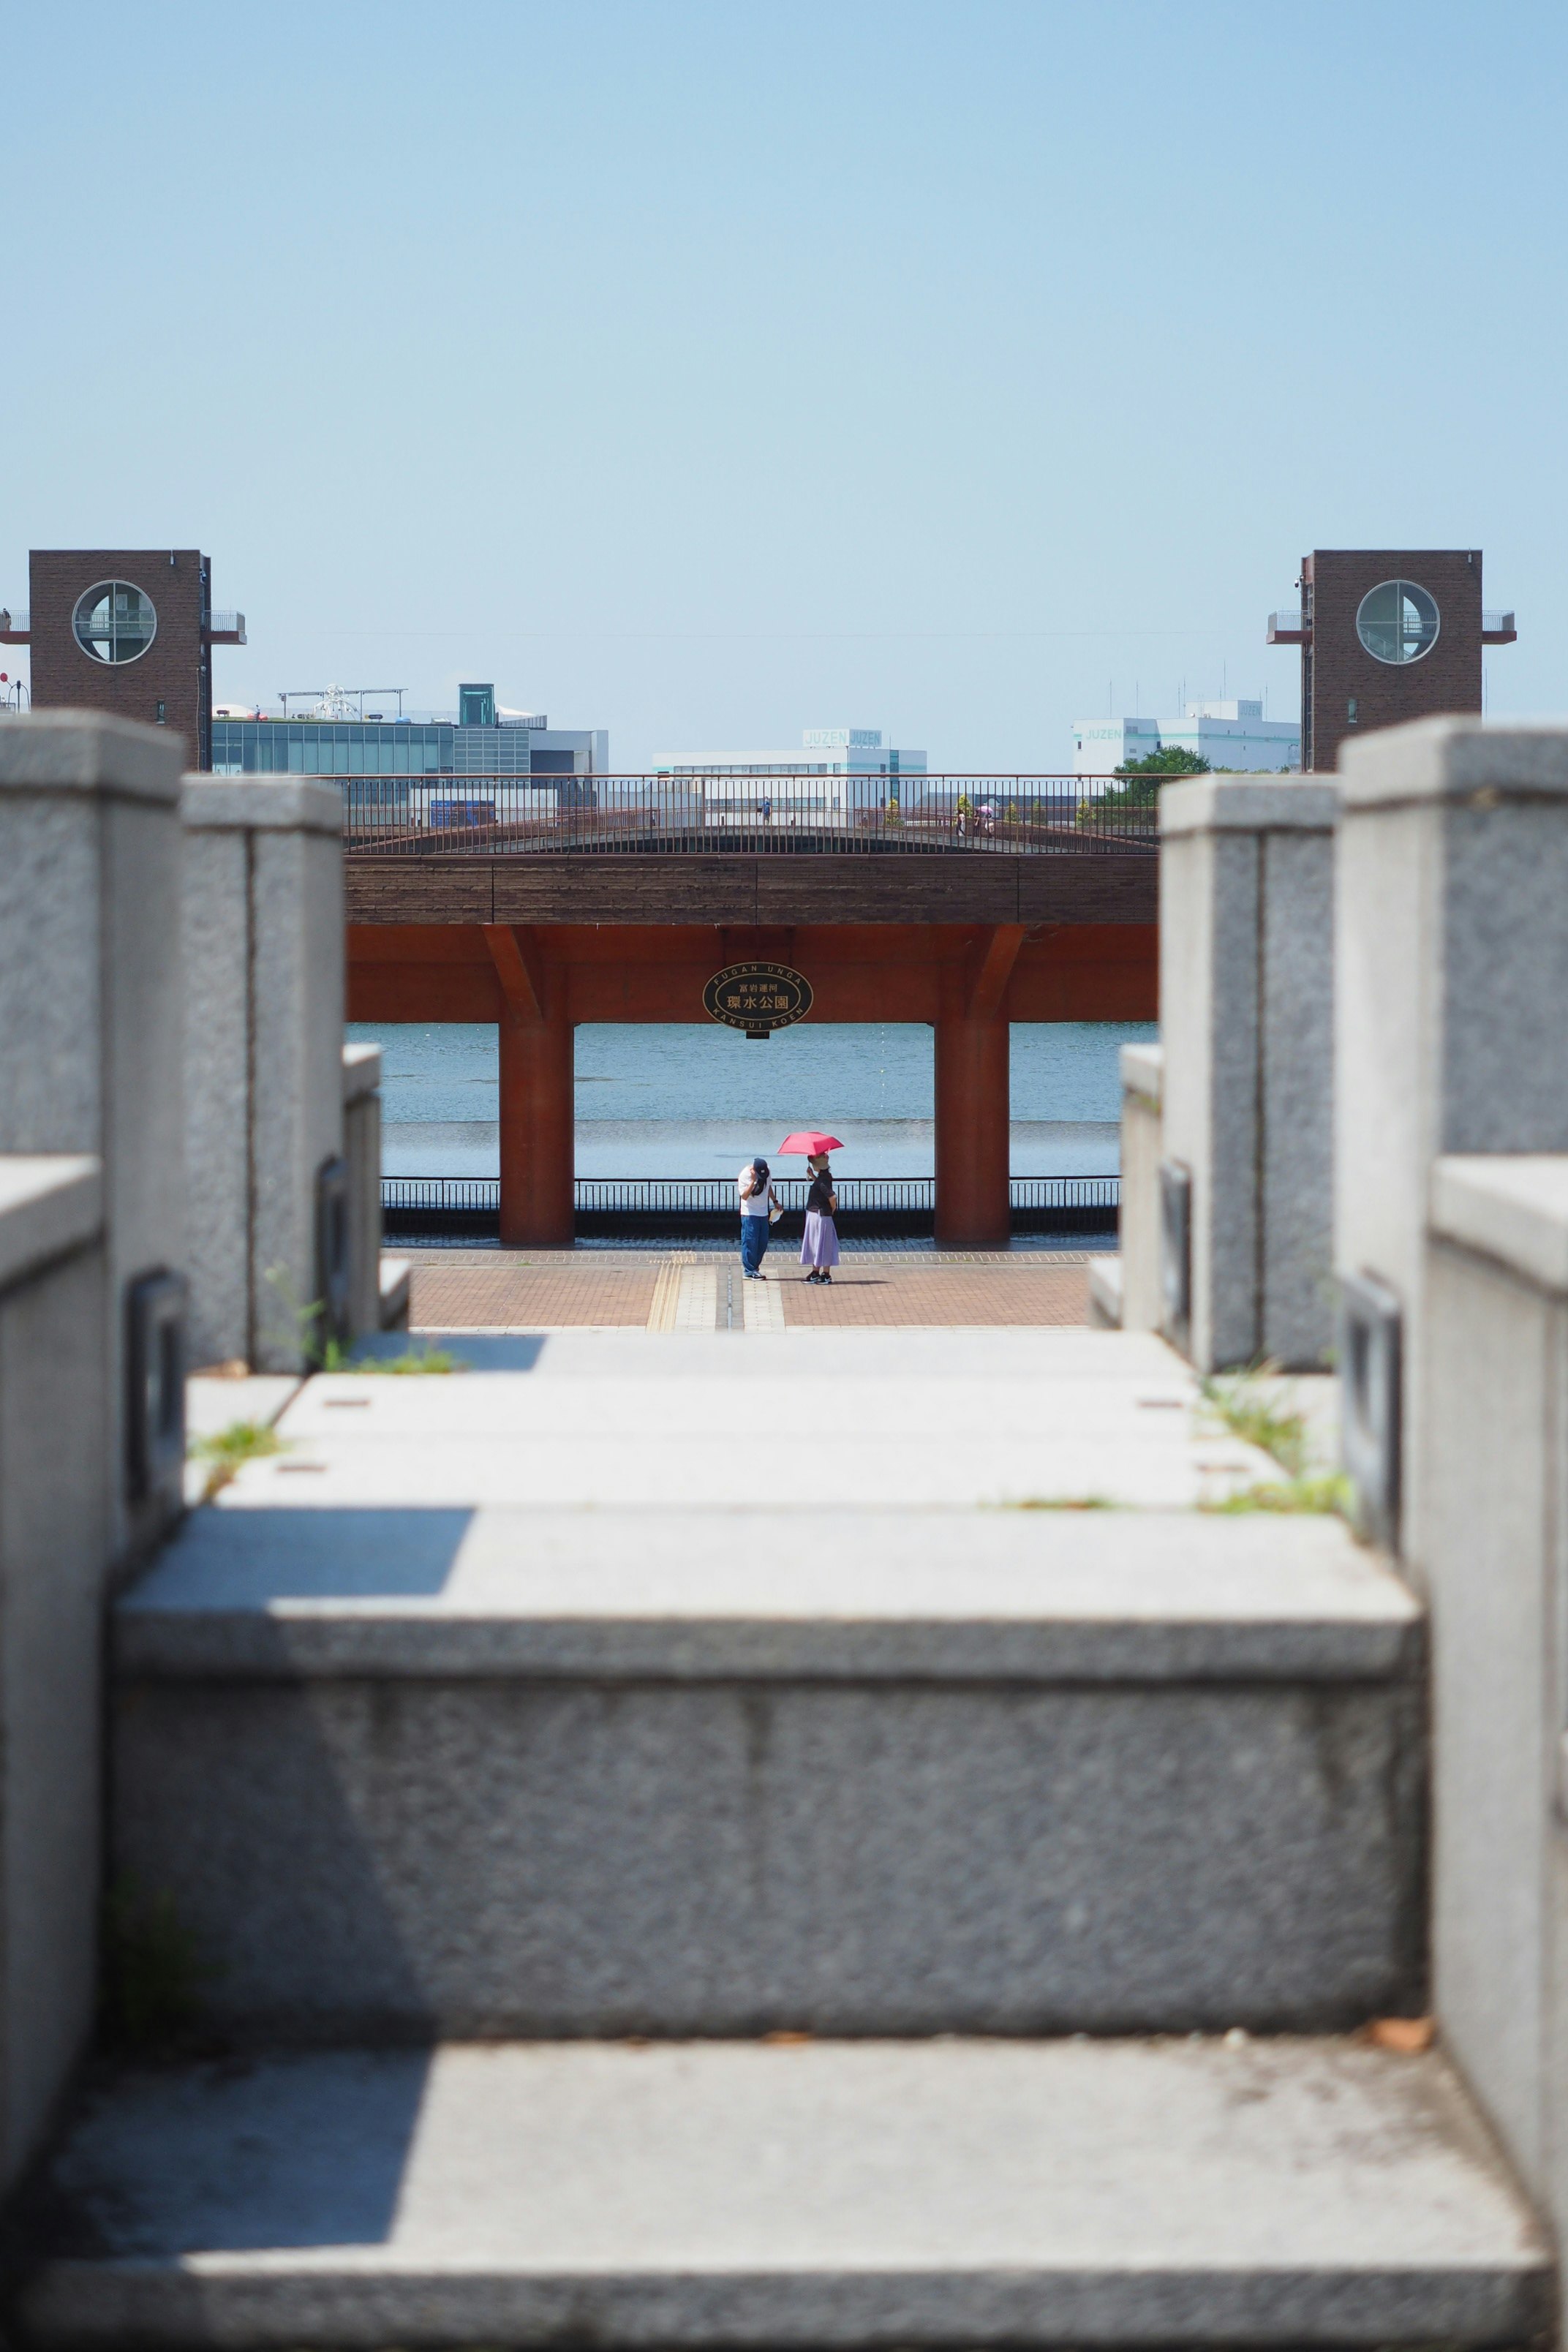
[
  {"x": 1018, "y": 815},
  {"x": 639, "y": 1207},
  {"x": 1293, "y": 622}
]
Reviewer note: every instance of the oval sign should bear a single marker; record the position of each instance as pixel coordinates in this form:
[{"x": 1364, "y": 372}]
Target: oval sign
[{"x": 757, "y": 997}]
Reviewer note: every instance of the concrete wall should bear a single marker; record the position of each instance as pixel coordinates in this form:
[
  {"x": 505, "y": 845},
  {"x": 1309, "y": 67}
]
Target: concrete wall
[
  {"x": 91, "y": 1057},
  {"x": 53, "y": 1536},
  {"x": 1142, "y": 1083},
  {"x": 362, "y": 1150},
  {"x": 1246, "y": 1015},
  {"x": 601, "y": 1853},
  {"x": 1496, "y": 1552},
  {"x": 263, "y": 933},
  {"x": 1451, "y": 973}
]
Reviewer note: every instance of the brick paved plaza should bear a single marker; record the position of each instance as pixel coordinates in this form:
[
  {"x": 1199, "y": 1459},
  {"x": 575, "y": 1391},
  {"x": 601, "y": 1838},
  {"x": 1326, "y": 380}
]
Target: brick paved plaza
[{"x": 503, "y": 1290}]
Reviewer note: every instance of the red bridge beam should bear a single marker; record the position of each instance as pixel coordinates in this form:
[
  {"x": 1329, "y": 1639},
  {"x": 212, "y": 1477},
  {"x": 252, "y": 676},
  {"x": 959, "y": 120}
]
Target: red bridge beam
[{"x": 538, "y": 984}]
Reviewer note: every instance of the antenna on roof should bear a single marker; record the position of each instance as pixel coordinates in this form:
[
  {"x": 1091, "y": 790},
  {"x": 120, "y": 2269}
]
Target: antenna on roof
[{"x": 335, "y": 701}]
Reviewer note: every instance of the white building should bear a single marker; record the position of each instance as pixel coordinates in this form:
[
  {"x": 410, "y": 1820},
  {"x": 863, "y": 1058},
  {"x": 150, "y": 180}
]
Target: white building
[
  {"x": 566, "y": 750},
  {"x": 856, "y": 768},
  {"x": 1231, "y": 736},
  {"x": 1100, "y": 746}
]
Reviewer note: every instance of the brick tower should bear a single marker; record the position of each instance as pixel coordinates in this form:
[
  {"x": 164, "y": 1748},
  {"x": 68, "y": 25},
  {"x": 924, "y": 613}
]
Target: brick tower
[
  {"x": 1386, "y": 634},
  {"x": 128, "y": 632}
]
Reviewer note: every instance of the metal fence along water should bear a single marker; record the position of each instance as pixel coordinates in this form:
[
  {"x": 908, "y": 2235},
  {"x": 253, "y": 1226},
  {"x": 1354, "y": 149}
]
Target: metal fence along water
[
  {"x": 635, "y": 1208},
  {"x": 1011, "y": 815}
]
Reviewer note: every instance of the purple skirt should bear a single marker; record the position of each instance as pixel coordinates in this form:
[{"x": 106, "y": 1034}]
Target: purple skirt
[{"x": 819, "y": 1245}]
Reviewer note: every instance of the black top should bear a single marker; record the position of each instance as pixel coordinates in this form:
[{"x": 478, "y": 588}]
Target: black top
[{"x": 820, "y": 1196}]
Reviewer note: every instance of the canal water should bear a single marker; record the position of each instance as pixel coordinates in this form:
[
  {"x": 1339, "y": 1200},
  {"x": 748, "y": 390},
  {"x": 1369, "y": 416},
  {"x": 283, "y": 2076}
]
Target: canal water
[{"x": 697, "y": 1101}]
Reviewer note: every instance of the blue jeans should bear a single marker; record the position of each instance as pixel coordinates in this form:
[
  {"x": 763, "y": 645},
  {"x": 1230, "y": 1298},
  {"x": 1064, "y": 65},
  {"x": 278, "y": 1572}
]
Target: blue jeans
[{"x": 753, "y": 1242}]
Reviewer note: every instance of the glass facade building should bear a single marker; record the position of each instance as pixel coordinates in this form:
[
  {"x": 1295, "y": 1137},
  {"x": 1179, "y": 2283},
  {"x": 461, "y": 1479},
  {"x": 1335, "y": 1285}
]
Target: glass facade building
[
  {"x": 367, "y": 747},
  {"x": 409, "y": 770}
]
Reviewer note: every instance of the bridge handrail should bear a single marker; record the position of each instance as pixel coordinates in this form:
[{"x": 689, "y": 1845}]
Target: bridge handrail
[
  {"x": 714, "y": 1195},
  {"x": 1011, "y": 813}
]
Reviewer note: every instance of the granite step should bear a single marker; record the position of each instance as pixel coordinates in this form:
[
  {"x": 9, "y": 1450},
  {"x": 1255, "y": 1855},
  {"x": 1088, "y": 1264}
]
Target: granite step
[
  {"x": 650, "y": 1420},
  {"x": 1238, "y": 2192},
  {"x": 479, "y": 1771}
]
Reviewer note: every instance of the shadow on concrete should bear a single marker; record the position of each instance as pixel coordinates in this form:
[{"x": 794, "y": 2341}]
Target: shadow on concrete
[
  {"x": 253, "y": 1806},
  {"x": 476, "y": 1352},
  {"x": 250, "y": 1797},
  {"x": 234, "y": 1560},
  {"x": 237, "y": 2156}
]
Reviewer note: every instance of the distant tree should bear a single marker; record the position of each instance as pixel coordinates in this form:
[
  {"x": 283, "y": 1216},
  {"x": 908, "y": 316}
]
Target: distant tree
[
  {"x": 1142, "y": 779},
  {"x": 1171, "y": 760}
]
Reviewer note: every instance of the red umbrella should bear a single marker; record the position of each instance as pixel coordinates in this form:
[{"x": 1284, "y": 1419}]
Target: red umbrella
[{"x": 809, "y": 1141}]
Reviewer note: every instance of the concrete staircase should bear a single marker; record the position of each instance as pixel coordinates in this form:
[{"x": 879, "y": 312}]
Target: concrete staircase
[{"x": 670, "y": 1812}]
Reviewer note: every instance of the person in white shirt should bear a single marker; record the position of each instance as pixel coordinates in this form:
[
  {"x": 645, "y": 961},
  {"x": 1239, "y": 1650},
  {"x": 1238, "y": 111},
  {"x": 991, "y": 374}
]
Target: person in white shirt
[{"x": 757, "y": 1198}]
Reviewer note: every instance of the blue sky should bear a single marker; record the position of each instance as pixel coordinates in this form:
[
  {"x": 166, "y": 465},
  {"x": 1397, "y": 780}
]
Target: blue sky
[{"x": 711, "y": 372}]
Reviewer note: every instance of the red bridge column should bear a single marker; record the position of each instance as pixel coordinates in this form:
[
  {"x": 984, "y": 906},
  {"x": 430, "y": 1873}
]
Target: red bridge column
[
  {"x": 536, "y": 1131},
  {"x": 537, "y": 1108},
  {"x": 974, "y": 1197},
  {"x": 973, "y": 1201}
]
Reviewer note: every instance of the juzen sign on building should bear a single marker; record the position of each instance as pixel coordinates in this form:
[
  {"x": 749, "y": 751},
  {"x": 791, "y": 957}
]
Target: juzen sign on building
[{"x": 757, "y": 997}]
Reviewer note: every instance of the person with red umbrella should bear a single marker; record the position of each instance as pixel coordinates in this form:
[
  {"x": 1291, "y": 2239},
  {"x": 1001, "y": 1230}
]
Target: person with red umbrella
[{"x": 819, "y": 1245}]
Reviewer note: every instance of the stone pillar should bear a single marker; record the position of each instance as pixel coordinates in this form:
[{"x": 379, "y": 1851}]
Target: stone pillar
[
  {"x": 1450, "y": 983},
  {"x": 54, "y": 1304},
  {"x": 1245, "y": 1022},
  {"x": 362, "y": 1150},
  {"x": 537, "y": 1130},
  {"x": 973, "y": 1199},
  {"x": 1142, "y": 1149},
  {"x": 91, "y": 1004},
  {"x": 1494, "y": 1458},
  {"x": 263, "y": 927}
]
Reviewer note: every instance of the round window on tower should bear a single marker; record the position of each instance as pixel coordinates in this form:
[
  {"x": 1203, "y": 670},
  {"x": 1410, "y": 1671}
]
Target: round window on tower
[
  {"x": 1397, "y": 622},
  {"x": 114, "y": 622}
]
